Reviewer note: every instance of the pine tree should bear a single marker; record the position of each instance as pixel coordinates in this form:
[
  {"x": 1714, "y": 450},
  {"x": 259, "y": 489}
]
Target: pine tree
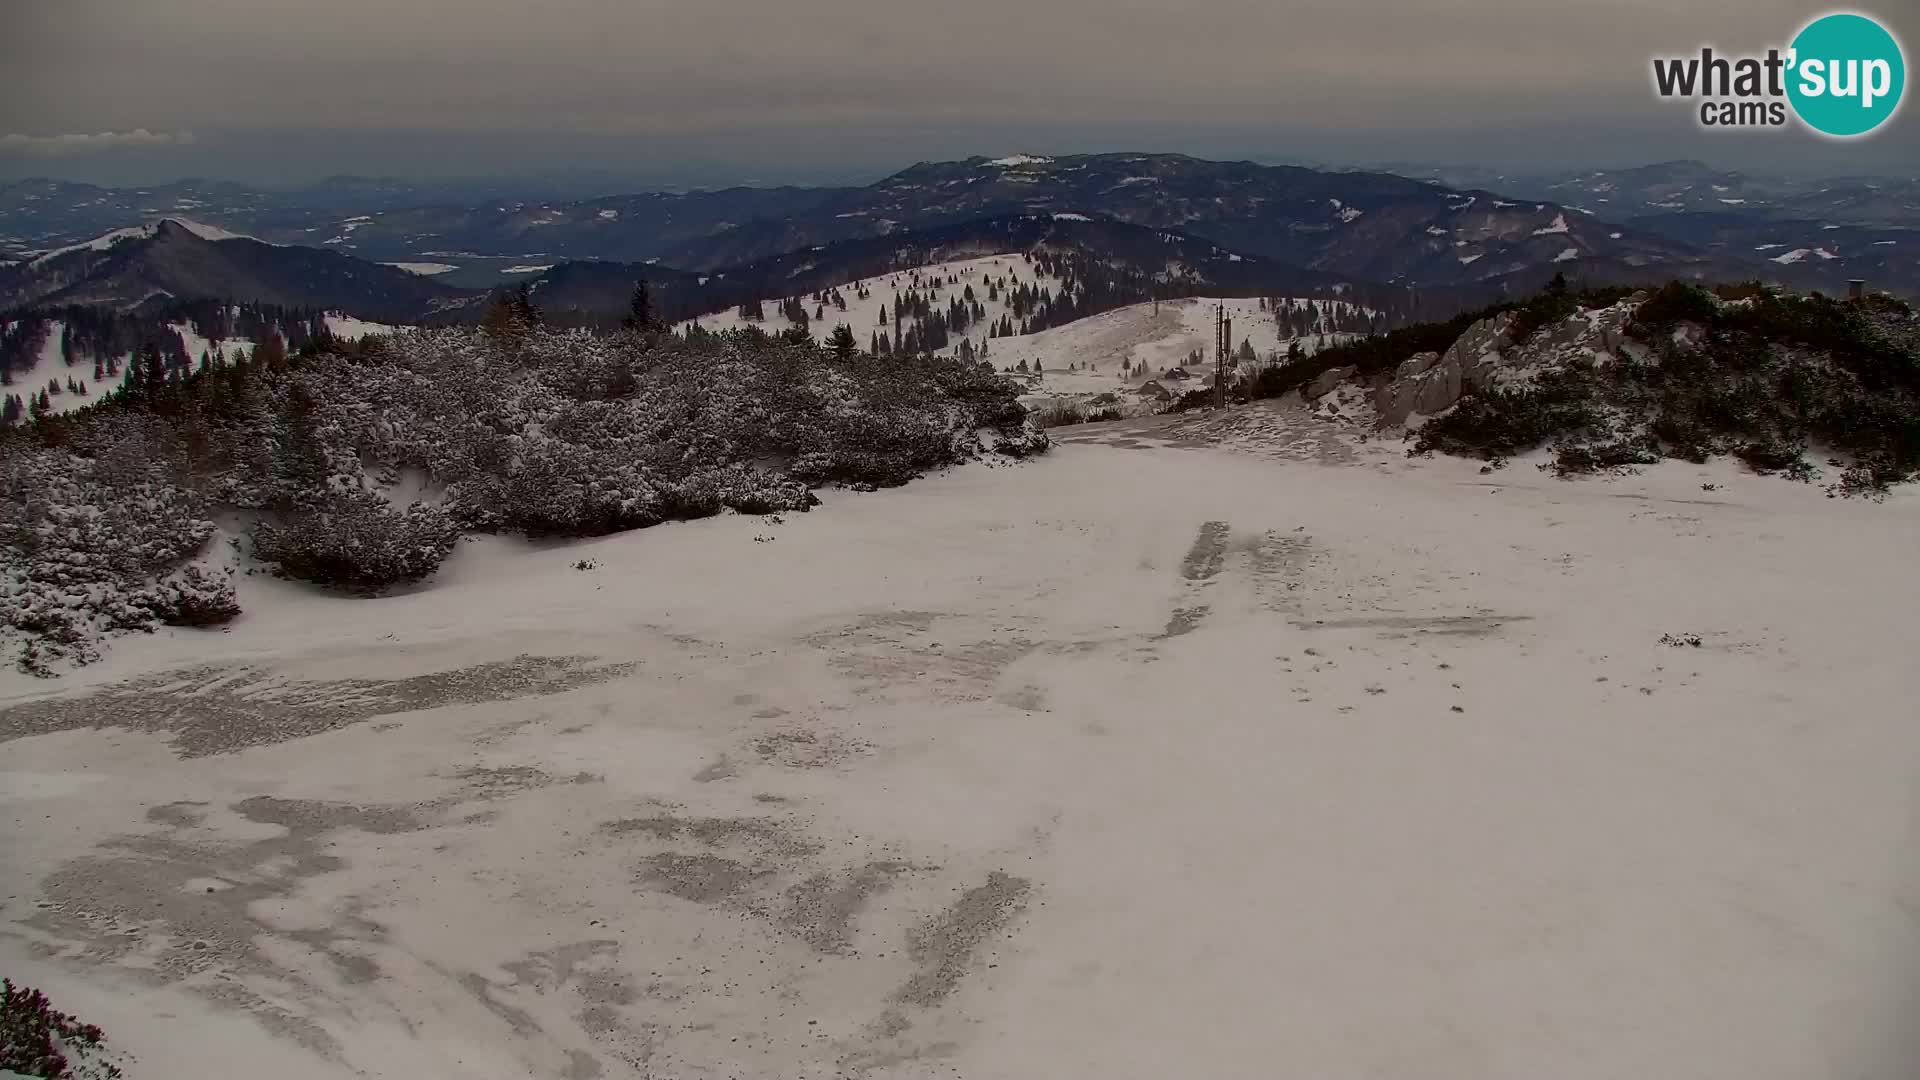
[
  {"x": 842, "y": 342},
  {"x": 270, "y": 353},
  {"x": 524, "y": 308},
  {"x": 153, "y": 371},
  {"x": 640, "y": 315},
  {"x": 498, "y": 321}
]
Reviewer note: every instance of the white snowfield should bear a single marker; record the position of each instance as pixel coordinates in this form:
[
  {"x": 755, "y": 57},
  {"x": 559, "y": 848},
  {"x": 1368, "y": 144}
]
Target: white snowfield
[
  {"x": 862, "y": 316},
  {"x": 1227, "y": 746},
  {"x": 424, "y": 269},
  {"x": 1160, "y": 335},
  {"x": 350, "y": 328},
  {"x": 52, "y": 366}
]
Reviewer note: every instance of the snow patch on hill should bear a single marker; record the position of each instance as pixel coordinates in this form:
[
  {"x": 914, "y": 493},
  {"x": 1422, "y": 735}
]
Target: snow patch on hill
[
  {"x": 1559, "y": 226},
  {"x": 348, "y": 328},
  {"x": 50, "y": 373},
  {"x": 1160, "y": 336},
  {"x": 424, "y": 269},
  {"x": 863, "y": 315},
  {"x": 147, "y": 231}
]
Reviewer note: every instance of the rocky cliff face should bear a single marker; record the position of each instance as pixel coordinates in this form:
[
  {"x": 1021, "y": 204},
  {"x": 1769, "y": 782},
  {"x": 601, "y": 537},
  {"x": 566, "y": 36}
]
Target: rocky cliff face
[{"x": 1488, "y": 356}]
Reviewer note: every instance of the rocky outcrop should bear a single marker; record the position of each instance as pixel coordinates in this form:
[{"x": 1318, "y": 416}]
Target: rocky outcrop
[
  {"x": 1417, "y": 364},
  {"x": 1323, "y": 384},
  {"x": 1427, "y": 383},
  {"x": 1480, "y": 352},
  {"x": 1486, "y": 356}
]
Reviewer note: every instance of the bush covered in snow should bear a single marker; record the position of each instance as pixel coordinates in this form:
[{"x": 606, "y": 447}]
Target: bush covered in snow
[
  {"x": 353, "y": 540},
  {"x": 38, "y": 1040},
  {"x": 1768, "y": 378},
  {"x": 522, "y": 428},
  {"x": 90, "y": 545}
]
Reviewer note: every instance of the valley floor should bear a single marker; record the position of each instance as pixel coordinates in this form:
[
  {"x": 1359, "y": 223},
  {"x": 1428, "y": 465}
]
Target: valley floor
[{"x": 1151, "y": 758}]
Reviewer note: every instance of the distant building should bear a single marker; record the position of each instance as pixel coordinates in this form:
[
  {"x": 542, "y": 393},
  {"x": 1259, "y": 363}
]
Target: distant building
[
  {"x": 1155, "y": 391},
  {"x": 1178, "y": 375}
]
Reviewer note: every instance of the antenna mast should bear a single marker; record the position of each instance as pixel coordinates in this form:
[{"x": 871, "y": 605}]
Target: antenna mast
[{"x": 1222, "y": 335}]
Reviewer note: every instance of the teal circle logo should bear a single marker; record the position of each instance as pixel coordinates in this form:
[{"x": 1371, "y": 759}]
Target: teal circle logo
[{"x": 1848, "y": 75}]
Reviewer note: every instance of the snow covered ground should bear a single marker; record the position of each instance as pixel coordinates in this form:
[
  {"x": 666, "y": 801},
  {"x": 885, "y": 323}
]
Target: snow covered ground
[
  {"x": 1160, "y": 336},
  {"x": 1154, "y": 757},
  {"x": 349, "y": 328},
  {"x": 50, "y": 365},
  {"x": 863, "y": 316},
  {"x": 424, "y": 269}
]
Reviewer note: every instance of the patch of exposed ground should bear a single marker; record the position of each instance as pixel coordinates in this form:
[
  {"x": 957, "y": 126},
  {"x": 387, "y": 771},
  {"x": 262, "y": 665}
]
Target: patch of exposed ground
[
  {"x": 1208, "y": 553},
  {"x": 182, "y": 908},
  {"x": 946, "y": 947},
  {"x": 1184, "y": 621},
  {"x": 822, "y": 908},
  {"x": 218, "y": 710},
  {"x": 922, "y": 650},
  {"x": 1279, "y": 568},
  {"x": 799, "y": 749},
  {"x": 1469, "y": 625}
]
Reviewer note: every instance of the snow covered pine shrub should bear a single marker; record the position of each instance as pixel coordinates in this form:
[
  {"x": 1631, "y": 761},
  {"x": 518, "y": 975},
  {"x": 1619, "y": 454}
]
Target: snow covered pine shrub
[
  {"x": 93, "y": 545},
  {"x": 353, "y": 540},
  {"x": 530, "y": 430}
]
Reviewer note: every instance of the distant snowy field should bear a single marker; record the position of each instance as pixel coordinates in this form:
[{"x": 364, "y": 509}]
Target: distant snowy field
[
  {"x": 51, "y": 368},
  {"x": 424, "y": 269},
  {"x": 863, "y": 316},
  {"x": 1160, "y": 336}
]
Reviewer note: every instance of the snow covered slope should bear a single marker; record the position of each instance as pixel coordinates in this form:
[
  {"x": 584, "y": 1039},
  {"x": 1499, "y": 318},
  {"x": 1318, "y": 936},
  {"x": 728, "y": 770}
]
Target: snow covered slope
[
  {"x": 141, "y": 232},
  {"x": 863, "y": 314},
  {"x": 1130, "y": 763},
  {"x": 1160, "y": 336},
  {"x": 51, "y": 374}
]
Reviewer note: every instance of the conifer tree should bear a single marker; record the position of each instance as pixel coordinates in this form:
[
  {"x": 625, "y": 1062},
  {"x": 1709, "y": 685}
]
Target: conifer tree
[
  {"x": 842, "y": 342},
  {"x": 640, "y": 316}
]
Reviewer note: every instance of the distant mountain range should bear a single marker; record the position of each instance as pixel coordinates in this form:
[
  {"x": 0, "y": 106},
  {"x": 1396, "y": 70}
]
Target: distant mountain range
[
  {"x": 176, "y": 259},
  {"x": 1448, "y": 238}
]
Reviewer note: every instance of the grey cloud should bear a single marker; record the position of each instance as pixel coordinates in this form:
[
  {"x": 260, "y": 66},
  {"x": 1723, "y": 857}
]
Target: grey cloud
[
  {"x": 738, "y": 71},
  {"x": 84, "y": 143}
]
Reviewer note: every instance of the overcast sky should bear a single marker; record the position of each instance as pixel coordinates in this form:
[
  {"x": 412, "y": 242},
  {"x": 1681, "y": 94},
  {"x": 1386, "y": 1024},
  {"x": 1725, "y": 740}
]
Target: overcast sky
[{"x": 770, "y": 90}]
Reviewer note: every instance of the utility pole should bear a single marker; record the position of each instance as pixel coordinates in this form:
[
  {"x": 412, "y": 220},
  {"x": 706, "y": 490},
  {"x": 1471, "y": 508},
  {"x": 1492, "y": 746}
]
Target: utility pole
[{"x": 1222, "y": 333}]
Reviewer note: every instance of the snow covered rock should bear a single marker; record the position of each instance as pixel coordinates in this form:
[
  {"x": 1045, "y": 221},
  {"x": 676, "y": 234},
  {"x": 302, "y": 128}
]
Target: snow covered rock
[
  {"x": 1478, "y": 352},
  {"x": 1324, "y": 383},
  {"x": 1417, "y": 364}
]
